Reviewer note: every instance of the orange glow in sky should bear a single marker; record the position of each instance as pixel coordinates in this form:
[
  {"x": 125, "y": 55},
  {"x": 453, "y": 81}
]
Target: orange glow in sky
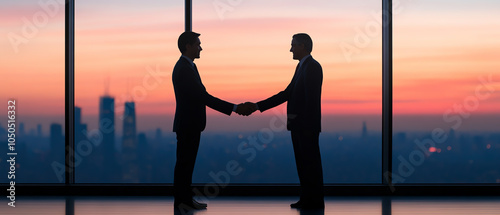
[{"x": 440, "y": 59}]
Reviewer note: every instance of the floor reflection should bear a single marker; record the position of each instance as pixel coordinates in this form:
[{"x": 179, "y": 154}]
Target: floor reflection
[
  {"x": 193, "y": 212},
  {"x": 312, "y": 212},
  {"x": 254, "y": 205},
  {"x": 34, "y": 205},
  {"x": 442, "y": 205}
]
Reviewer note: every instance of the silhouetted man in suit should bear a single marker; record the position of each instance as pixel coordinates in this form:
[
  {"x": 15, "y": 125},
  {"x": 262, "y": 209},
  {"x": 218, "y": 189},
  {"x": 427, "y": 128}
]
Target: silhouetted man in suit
[
  {"x": 190, "y": 117},
  {"x": 303, "y": 95}
]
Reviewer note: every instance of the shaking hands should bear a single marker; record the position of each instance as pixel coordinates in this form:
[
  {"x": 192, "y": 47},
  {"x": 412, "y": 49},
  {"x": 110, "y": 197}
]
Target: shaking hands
[{"x": 245, "y": 109}]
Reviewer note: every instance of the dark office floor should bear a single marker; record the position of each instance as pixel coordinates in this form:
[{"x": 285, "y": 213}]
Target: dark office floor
[{"x": 254, "y": 205}]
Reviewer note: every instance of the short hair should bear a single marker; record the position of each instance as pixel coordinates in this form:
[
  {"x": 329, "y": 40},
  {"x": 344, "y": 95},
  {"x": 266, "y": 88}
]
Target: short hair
[
  {"x": 188, "y": 37},
  {"x": 303, "y": 38}
]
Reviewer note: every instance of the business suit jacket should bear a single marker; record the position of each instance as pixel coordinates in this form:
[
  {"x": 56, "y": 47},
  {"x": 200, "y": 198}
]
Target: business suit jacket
[
  {"x": 304, "y": 98},
  {"x": 191, "y": 99}
]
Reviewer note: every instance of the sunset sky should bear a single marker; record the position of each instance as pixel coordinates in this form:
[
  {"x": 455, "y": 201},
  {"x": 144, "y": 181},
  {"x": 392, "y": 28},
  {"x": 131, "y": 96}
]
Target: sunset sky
[{"x": 441, "y": 51}]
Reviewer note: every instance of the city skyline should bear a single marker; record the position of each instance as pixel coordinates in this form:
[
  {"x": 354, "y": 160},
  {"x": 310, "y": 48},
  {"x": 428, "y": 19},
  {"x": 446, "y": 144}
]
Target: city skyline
[
  {"x": 148, "y": 157},
  {"x": 473, "y": 151},
  {"x": 332, "y": 123}
]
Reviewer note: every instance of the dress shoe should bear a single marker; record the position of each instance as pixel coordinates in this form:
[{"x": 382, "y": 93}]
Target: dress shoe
[
  {"x": 200, "y": 203},
  {"x": 189, "y": 205},
  {"x": 296, "y": 204}
]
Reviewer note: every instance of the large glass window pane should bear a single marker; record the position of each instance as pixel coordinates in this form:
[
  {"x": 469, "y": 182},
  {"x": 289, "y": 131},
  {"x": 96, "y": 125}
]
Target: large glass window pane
[
  {"x": 124, "y": 55},
  {"x": 446, "y": 100},
  {"x": 32, "y": 71},
  {"x": 246, "y": 57}
]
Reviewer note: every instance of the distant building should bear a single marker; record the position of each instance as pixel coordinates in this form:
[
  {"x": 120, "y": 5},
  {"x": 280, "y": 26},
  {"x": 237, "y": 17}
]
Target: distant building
[
  {"x": 142, "y": 145},
  {"x": 129, "y": 142},
  {"x": 107, "y": 127},
  {"x": 56, "y": 142},
  {"x": 130, "y": 160},
  {"x": 145, "y": 159},
  {"x": 106, "y": 154},
  {"x": 80, "y": 129}
]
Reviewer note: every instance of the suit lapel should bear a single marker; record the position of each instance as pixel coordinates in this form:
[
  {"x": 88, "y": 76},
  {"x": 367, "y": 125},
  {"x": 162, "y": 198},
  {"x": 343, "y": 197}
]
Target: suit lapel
[
  {"x": 194, "y": 69},
  {"x": 296, "y": 74},
  {"x": 300, "y": 70},
  {"x": 197, "y": 74}
]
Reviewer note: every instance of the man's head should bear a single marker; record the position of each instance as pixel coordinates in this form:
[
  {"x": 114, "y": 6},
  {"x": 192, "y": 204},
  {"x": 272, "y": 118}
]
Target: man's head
[
  {"x": 189, "y": 44},
  {"x": 301, "y": 46}
]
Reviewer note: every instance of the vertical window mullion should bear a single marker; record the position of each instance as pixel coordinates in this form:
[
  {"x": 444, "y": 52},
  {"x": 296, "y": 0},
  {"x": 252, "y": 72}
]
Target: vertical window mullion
[
  {"x": 70, "y": 91},
  {"x": 387, "y": 92},
  {"x": 188, "y": 15}
]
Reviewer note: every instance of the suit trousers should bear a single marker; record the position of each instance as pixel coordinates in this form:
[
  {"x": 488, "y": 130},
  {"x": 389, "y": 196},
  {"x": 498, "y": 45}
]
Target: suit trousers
[
  {"x": 308, "y": 161},
  {"x": 187, "y": 150}
]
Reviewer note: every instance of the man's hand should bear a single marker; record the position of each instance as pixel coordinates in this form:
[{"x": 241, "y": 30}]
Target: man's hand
[{"x": 246, "y": 108}]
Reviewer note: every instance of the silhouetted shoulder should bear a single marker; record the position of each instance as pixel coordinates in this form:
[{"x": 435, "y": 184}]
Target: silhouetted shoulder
[
  {"x": 314, "y": 67},
  {"x": 181, "y": 64},
  {"x": 315, "y": 63}
]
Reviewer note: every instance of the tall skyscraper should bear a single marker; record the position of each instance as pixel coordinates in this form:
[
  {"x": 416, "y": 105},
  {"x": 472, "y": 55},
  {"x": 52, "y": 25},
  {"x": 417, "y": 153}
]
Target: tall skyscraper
[
  {"x": 129, "y": 145},
  {"x": 107, "y": 124},
  {"x": 129, "y": 128},
  {"x": 106, "y": 150}
]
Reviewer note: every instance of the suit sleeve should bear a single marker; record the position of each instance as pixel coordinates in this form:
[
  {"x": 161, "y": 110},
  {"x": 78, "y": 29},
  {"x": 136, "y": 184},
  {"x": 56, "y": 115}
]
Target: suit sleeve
[
  {"x": 275, "y": 100},
  {"x": 218, "y": 104}
]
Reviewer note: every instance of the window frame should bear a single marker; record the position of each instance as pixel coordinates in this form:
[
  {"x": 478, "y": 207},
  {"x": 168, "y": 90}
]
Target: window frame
[{"x": 386, "y": 187}]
